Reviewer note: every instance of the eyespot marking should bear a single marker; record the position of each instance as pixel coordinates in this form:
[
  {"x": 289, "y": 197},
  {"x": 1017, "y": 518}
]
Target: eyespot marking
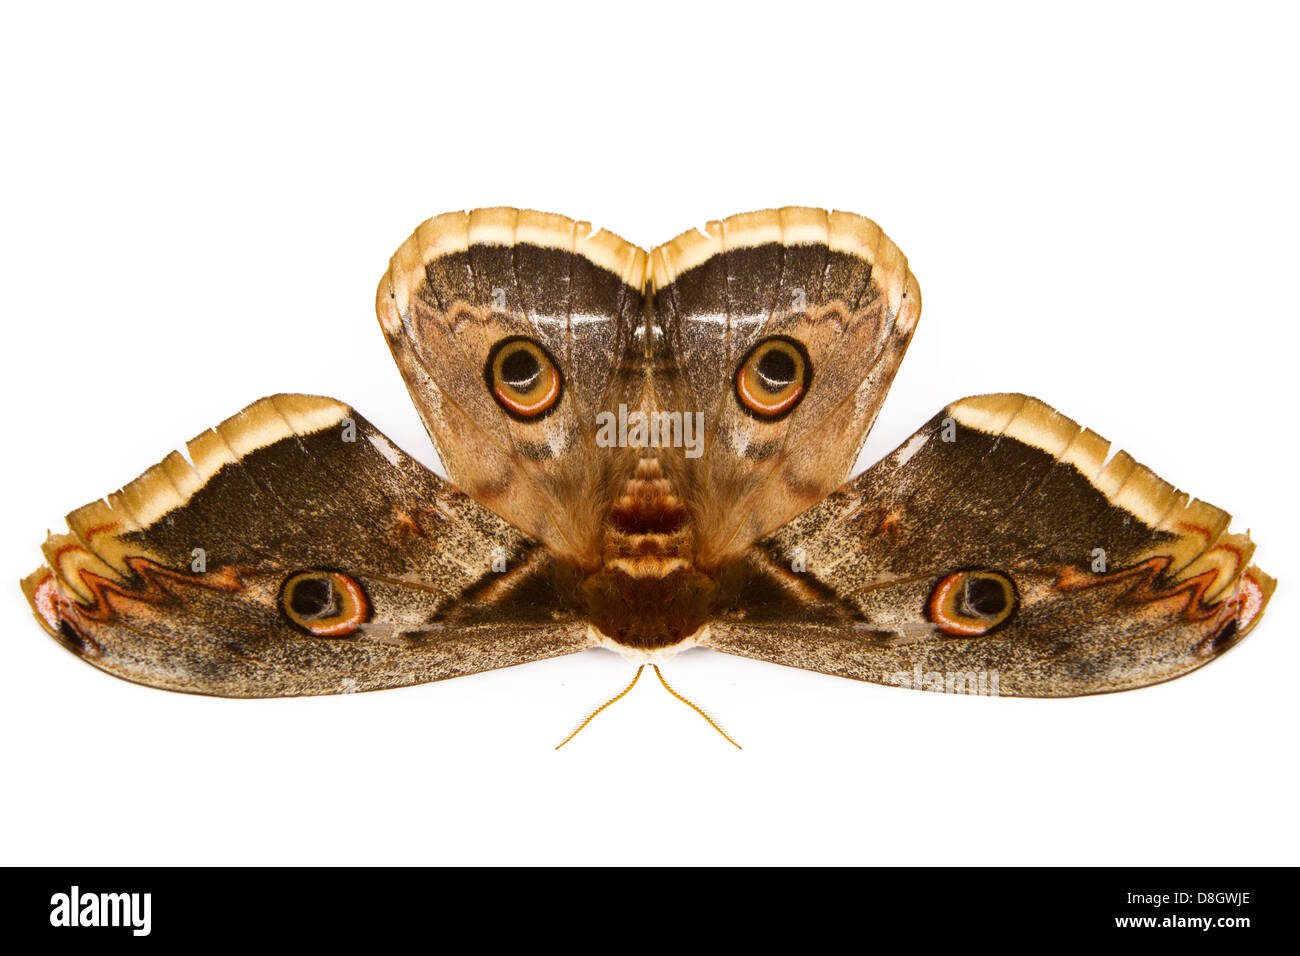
[
  {"x": 773, "y": 377},
  {"x": 523, "y": 378},
  {"x": 325, "y": 603},
  {"x": 971, "y": 603}
]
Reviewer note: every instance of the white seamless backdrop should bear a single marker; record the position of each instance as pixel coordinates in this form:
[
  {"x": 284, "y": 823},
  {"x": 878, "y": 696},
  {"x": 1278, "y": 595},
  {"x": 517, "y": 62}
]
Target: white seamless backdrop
[{"x": 1101, "y": 209}]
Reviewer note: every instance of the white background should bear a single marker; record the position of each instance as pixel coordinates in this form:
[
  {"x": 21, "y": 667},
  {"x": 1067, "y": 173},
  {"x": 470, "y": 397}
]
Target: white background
[{"x": 1101, "y": 208}]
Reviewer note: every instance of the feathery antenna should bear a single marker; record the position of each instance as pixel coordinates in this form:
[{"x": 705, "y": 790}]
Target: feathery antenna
[
  {"x": 712, "y": 723},
  {"x": 624, "y": 692},
  {"x": 592, "y": 716}
]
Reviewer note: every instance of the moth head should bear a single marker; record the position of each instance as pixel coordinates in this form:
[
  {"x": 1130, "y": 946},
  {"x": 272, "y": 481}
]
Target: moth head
[
  {"x": 773, "y": 378},
  {"x": 971, "y": 603},
  {"x": 523, "y": 378}
]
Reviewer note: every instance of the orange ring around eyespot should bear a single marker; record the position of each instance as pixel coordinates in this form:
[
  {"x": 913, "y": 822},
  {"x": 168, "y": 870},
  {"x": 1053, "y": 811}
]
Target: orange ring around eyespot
[
  {"x": 938, "y": 611},
  {"x": 524, "y": 411},
  {"x": 757, "y": 404},
  {"x": 763, "y": 408},
  {"x": 356, "y": 607},
  {"x": 536, "y": 407}
]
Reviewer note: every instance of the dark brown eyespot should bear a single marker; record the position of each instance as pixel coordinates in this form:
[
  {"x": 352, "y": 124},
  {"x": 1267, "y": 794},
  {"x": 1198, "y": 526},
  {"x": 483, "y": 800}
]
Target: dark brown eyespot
[
  {"x": 773, "y": 377},
  {"x": 970, "y": 603},
  {"x": 325, "y": 603},
  {"x": 523, "y": 378}
]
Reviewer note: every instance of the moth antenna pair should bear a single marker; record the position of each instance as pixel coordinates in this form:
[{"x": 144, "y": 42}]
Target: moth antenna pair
[{"x": 624, "y": 692}]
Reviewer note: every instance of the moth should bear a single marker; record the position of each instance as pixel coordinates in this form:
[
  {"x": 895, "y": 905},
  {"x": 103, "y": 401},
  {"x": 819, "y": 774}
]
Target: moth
[{"x": 648, "y": 452}]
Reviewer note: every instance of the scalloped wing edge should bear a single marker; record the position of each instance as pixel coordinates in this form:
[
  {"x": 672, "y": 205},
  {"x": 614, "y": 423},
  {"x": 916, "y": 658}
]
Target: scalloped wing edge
[
  {"x": 1202, "y": 544},
  {"x": 453, "y": 232},
  {"x": 839, "y": 231},
  {"x": 91, "y": 545}
]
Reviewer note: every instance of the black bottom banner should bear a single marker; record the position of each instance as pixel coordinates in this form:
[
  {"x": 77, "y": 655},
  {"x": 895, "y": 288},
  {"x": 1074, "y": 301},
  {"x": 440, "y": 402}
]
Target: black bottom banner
[{"x": 135, "y": 907}]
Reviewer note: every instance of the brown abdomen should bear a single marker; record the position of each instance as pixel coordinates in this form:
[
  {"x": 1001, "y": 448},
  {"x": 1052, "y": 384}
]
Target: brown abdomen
[{"x": 648, "y": 593}]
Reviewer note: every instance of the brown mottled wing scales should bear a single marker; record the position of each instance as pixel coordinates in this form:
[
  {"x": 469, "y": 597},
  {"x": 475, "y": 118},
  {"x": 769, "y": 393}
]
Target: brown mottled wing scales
[
  {"x": 180, "y": 580},
  {"x": 1119, "y": 579},
  {"x": 293, "y": 550},
  {"x": 830, "y": 281},
  {"x": 464, "y": 282}
]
